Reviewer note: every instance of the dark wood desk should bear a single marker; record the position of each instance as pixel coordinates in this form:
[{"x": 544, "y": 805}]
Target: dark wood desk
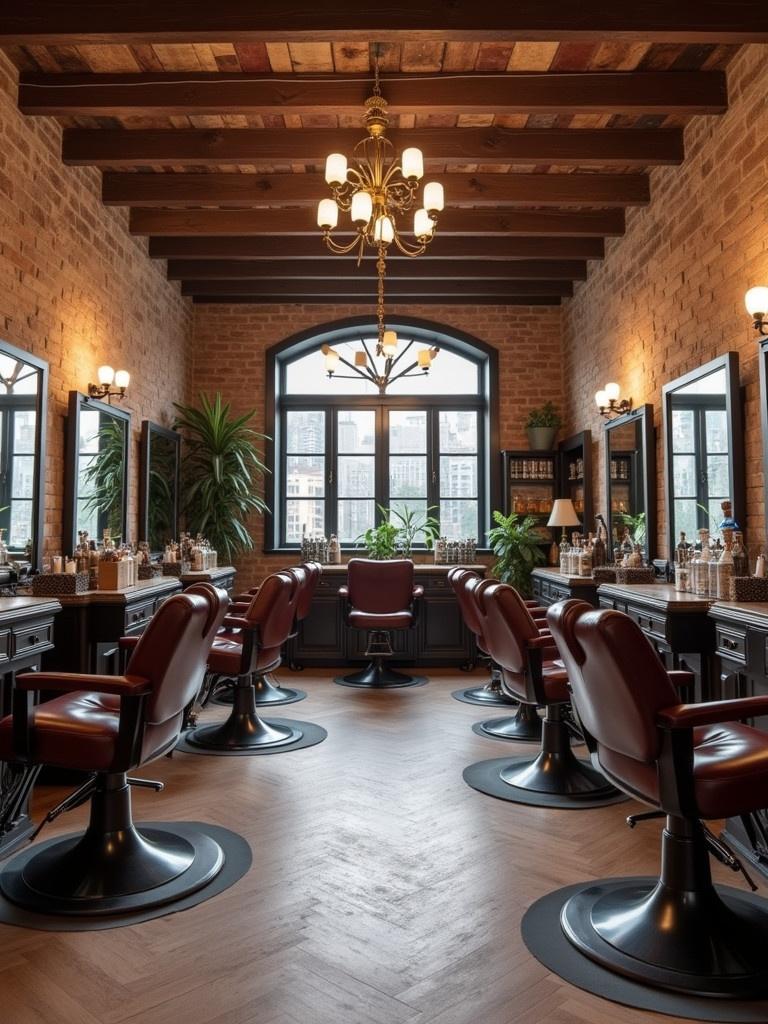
[
  {"x": 26, "y": 635},
  {"x": 551, "y": 585},
  {"x": 439, "y": 638},
  {"x": 223, "y": 576}
]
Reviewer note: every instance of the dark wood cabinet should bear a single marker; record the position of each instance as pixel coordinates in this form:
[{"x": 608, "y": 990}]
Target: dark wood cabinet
[
  {"x": 550, "y": 586},
  {"x": 439, "y": 638},
  {"x": 26, "y": 635},
  {"x": 223, "y": 576}
]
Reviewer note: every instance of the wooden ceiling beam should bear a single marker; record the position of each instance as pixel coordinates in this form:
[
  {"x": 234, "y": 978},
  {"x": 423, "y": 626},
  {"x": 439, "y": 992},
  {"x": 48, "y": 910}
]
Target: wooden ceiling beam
[
  {"x": 365, "y": 302},
  {"x": 302, "y": 222},
  {"x": 133, "y": 21},
  {"x": 444, "y": 247},
  {"x": 342, "y": 268},
  {"x": 367, "y": 289},
  {"x": 626, "y": 147},
  {"x": 178, "y": 93},
  {"x": 179, "y": 190}
]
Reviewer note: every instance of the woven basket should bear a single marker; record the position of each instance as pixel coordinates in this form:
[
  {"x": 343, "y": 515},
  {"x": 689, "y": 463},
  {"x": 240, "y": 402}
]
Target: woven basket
[
  {"x": 604, "y": 574},
  {"x": 635, "y": 574},
  {"x": 59, "y": 584},
  {"x": 750, "y": 588}
]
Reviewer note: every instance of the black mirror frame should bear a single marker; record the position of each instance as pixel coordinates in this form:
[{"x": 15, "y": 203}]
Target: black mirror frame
[
  {"x": 643, "y": 414},
  {"x": 41, "y": 435},
  {"x": 578, "y": 442},
  {"x": 77, "y": 402},
  {"x": 734, "y": 408},
  {"x": 148, "y": 428}
]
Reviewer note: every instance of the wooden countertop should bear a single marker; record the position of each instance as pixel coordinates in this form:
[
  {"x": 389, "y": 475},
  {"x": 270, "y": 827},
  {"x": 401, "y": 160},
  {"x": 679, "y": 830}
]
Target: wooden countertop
[
  {"x": 661, "y": 596},
  {"x": 744, "y": 613},
  {"x": 144, "y": 588},
  {"x": 425, "y": 567},
  {"x": 14, "y": 607},
  {"x": 197, "y": 575},
  {"x": 545, "y": 573}
]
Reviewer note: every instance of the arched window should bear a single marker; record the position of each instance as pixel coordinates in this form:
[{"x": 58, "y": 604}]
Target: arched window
[{"x": 342, "y": 451}]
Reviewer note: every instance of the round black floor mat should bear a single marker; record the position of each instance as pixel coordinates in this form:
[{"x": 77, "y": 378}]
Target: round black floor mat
[
  {"x": 484, "y": 777},
  {"x": 237, "y": 861},
  {"x": 461, "y": 695},
  {"x": 311, "y": 735},
  {"x": 225, "y": 700},
  {"x": 545, "y": 940},
  {"x": 415, "y": 681}
]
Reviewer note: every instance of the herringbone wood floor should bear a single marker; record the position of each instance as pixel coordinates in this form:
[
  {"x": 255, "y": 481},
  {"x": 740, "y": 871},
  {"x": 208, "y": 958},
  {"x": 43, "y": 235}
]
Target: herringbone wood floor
[{"x": 383, "y": 889}]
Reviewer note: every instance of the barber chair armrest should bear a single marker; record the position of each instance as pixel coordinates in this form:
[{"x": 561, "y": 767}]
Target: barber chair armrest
[
  {"x": 344, "y": 593},
  {"x": 688, "y": 716},
  {"x": 681, "y": 678},
  {"x": 243, "y": 598},
  {"x": 544, "y": 644},
  {"x": 417, "y": 599},
  {"x": 236, "y": 622},
  {"x": 127, "y": 643},
  {"x": 72, "y": 682},
  {"x": 418, "y": 592}
]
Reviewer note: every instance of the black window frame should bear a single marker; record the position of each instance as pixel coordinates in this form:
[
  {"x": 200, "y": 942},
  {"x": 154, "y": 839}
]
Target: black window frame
[{"x": 278, "y": 403}]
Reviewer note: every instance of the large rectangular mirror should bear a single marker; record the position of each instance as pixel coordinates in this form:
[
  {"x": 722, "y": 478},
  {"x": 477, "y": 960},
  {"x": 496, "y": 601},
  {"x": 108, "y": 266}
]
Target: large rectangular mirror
[
  {"x": 159, "y": 485},
  {"x": 96, "y": 471},
  {"x": 23, "y": 415},
  {"x": 704, "y": 448},
  {"x": 630, "y": 479}
]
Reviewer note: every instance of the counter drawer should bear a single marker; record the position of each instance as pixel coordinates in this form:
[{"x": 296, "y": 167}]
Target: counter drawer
[
  {"x": 32, "y": 638},
  {"x": 138, "y": 615},
  {"x": 731, "y": 644},
  {"x": 5, "y": 645},
  {"x": 655, "y": 625}
]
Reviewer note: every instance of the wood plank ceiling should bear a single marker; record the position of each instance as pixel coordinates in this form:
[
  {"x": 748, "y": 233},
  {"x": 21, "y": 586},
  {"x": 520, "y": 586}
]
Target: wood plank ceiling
[{"x": 214, "y": 131}]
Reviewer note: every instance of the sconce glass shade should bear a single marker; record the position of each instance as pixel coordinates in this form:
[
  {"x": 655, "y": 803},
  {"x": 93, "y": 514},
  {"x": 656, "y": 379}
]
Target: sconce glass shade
[
  {"x": 331, "y": 360},
  {"x": 122, "y": 379},
  {"x": 756, "y": 300},
  {"x": 612, "y": 392},
  {"x": 389, "y": 343},
  {"x": 563, "y": 513},
  {"x": 335, "y": 168},
  {"x": 105, "y": 375},
  {"x": 327, "y": 214},
  {"x": 412, "y": 163},
  {"x": 362, "y": 207},
  {"x": 434, "y": 197},
  {"x": 423, "y": 225},
  {"x": 601, "y": 399},
  {"x": 424, "y": 357},
  {"x": 383, "y": 230}
]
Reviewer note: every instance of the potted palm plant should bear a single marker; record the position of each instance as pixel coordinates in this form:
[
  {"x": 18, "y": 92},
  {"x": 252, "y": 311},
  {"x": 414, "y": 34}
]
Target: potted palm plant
[
  {"x": 542, "y": 426},
  {"x": 222, "y": 474},
  {"x": 516, "y": 544}
]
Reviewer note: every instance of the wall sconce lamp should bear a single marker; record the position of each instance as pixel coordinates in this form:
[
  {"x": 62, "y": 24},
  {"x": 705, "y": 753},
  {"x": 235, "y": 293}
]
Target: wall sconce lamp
[
  {"x": 609, "y": 403},
  {"x": 107, "y": 377},
  {"x": 756, "y": 301}
]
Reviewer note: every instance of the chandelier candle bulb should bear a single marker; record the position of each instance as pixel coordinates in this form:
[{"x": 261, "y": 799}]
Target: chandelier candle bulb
[
  {"x": 336, "y": 168},
  {"x": 756, "y": 301},
  {"x": 424, "y": 357},
  {"x": 423, "y": 225},
  {"x": 389, "y": 343},
  {"x": 362, "y": 207},
  {"x": 361, "y": 359},
  {"x": 384, "y": 230},
  {"x": 412, "y": 163},
  {"x": 327, "y": 214},
  {"x": 434, "y": 197}
]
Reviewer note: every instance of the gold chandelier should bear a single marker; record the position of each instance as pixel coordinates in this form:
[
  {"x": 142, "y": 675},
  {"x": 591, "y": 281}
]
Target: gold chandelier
[{"x": 375, "y": 191}]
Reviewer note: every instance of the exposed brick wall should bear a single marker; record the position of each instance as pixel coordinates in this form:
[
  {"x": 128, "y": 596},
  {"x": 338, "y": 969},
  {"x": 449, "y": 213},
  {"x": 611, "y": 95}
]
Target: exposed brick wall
[
  {"x": 670, "y": 294},
  {"x": 230, "y": 345},
  {"x": 77, "y": 290}
]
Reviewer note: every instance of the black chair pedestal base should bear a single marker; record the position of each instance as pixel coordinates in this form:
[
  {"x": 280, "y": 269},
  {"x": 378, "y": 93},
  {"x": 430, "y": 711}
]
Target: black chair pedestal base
[
  {"x": 556, "y": 770},
  {"x": 376, "y": 676},
  {"x": 243, "y": 729},
  {"x": 491, "y": 693},
  {"x": 524, "y": 725},
  {"x": 113, "y": 867},
  {"x": 267, "y": 692},
  {"x": 677, "y": 933}
]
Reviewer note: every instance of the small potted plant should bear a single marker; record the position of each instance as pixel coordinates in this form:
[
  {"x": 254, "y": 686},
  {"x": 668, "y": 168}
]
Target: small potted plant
[
  {"x": 542, "y": 426},
  {"x": 516, "y": 544}
]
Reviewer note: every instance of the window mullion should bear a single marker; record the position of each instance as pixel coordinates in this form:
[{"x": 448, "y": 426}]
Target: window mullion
[
  {"x": 331, "y": 473},
  {"x": 433, "y": 459}
]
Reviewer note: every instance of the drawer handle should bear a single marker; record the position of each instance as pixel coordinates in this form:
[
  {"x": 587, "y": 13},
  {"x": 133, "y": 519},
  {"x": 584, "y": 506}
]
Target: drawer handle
[
  {"x": 34, "y": 639},
  {"x": 729, "y": 644},
  {"x": 139, "y": 616}
]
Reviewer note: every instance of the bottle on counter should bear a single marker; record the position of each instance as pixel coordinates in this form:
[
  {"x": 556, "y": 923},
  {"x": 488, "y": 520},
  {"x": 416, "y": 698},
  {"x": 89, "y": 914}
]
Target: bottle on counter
[
  {"x": 725, "y": 568},
  {"x": 585, "y": 560},
  {"x": 714, "y": 558},
  {"x": 760, "y": 565},
  {"x": 740, "y": 555},
  {"x": 334, "y": 550}
]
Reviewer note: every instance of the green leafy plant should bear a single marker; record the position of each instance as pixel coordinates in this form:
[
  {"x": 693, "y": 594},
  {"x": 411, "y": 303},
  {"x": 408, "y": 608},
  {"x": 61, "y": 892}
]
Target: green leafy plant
[
  {"x": 545, "y": 416},
  {"x": 222, "y": 471},
  {"x": 104, "y": 477},
  {"x": 515, "y": 542},
  {"x": 636, "y": 525},
  {"x": 410, "y": 523},
  {"x": 380, "y": 541},
  {"x": 162, "y": 479}
]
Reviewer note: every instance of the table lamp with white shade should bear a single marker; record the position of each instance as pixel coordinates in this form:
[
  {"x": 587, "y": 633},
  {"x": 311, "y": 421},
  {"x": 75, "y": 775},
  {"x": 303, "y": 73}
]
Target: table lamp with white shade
[{"x": 563, "y": 514}]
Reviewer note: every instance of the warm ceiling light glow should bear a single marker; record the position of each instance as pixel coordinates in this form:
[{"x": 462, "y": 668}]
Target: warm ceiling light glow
[
  {"x": 335, "y": 168},
  {"x": 384, "y": 230},
  {"x": 105, "y": 375},
  {"x": 434, "y": 197},
  {"x": 327, "y": 214},
  {"x": 389, "y": 343},
  {"x": 423, "y": 225},
  {"x": 613, "y": 391},
  {"x": 361, "y": 208},
  {"x": 412, "y": 163},
  {"x": 122, "y": 379},
  {"x": 601, "y": 399}
]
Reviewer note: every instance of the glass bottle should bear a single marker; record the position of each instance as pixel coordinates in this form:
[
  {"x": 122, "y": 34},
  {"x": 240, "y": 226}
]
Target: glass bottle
[
  {"x": 564, "y": 555},
  {"x": 585, "y": 560},
  {"x": 714, "y": 557},
  {"x": 740, "y": 555},
  {"x": 725, "y": 568}
]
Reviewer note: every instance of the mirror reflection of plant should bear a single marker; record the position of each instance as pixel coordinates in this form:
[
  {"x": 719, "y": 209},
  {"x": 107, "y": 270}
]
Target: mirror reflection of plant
[
  {"x": 162, "y": 482},
  {"x": 222, "y": 468},
  {"x": 104, "y": 476},
  {"x": 636, "y": 525},
  {"x": 515, "y": 542}
]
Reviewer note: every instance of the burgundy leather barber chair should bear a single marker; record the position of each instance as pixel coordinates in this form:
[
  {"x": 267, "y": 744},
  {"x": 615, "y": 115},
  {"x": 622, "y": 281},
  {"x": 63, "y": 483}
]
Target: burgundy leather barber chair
[
  {"x": 107, "y": 726},
  {"x": 380, "y": 597},
  {"x": 525, "y": 724},
  {"x": 252, "y": 645},
  {"x": 690, "y": 762},
  {"x": 532, "y": 673},
  {"x": 266, "y": 689}
]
